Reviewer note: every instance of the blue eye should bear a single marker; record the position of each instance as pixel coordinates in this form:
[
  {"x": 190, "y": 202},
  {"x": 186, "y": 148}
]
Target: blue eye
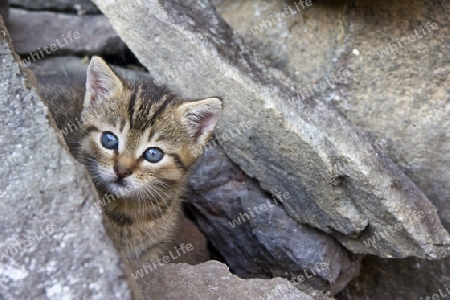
[
  {"x": 153, "y": 155},
  {"x": 109, "y": 141}
]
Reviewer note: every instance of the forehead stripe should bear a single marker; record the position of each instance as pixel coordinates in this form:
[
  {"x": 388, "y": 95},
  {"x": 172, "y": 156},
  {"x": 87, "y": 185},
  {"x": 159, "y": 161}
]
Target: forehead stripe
[
  {"x": 131, "y": 105},
  {"x": 122, "y": 124},
  {"x": 162, "y": 105}
]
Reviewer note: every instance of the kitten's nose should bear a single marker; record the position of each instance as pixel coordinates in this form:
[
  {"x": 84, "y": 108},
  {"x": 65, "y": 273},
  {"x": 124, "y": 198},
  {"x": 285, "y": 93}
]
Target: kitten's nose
[{"x": 122, "y": 172}]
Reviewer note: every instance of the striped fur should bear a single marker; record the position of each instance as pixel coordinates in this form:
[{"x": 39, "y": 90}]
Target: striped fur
[{"x": 143, "y": 209}]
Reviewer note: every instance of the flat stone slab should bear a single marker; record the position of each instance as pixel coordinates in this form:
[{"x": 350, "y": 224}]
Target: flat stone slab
[
  {"x": 52, "y": 242},
  {"x": 212, "y": 280},
  {"x": 340, "y": 182},
  {"x": 41, "y": 34},
  {"x": 79, "y": 6}
]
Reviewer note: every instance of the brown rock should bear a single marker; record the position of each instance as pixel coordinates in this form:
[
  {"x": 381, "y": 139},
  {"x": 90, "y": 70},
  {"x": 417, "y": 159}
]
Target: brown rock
[
  {"x": 188, "y": 233},
  {"x": 212, "y": 280}
]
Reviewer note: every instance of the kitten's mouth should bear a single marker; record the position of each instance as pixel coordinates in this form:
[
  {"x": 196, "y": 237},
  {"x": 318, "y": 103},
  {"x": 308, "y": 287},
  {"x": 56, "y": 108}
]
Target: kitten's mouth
[
  {"x": 121, "y": 187},
  {"x": 120, "y": 182}
]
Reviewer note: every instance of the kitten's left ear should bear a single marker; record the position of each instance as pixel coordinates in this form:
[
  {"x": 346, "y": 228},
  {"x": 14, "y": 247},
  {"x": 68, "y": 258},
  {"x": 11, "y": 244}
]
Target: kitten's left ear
[
  {"x": 200, "y": 117},
  {"x": 101, "y": 82}
]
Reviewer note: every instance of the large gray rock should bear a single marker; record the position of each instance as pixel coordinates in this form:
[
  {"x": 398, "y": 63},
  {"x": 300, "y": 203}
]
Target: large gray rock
[
  {"x": 44, "y": 192},
  {"x": 339, "y": 182},
  {"x": 79, "y": 6},
  {"x": 400, "y": 98},
  {"x": 414, "y": 125},
  {"x": 212, "y": 280},
  {"x": 61, "y": 34},
  {"x": 255, "y": 235}
]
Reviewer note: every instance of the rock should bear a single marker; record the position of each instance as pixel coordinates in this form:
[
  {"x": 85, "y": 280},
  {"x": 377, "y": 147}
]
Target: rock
[
  {"x": 338, "y": 180},
  {"x": 52, "y": 242},
  {"x": 61, "y": 34},
  {"x": 51, "y": 64},
  {"x": 409, "y": 278},
  {"x": 4, "y": 9},
  {"x": 303, "y": 45},
  {"x": 80, "y": 6},
  {"x": 413, "y": 131},
  {"x": 406, "y": 110},
  {"x": 188, "y": 233},
  {"x": 212, "y": 280},
  {"x": 409, "y": 106},
  {"x": 264, "y": 242}
]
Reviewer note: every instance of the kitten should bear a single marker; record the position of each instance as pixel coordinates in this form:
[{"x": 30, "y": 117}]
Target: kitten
[{"x": 138, "y": 142}]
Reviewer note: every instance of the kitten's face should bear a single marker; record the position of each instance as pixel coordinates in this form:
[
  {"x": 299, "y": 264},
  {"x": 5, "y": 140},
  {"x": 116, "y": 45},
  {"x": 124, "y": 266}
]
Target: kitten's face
[{"x": 141, "y": 140}]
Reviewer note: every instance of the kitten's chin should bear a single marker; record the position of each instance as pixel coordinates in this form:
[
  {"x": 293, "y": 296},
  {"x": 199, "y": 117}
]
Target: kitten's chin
[{"x": 120, "y": 189}]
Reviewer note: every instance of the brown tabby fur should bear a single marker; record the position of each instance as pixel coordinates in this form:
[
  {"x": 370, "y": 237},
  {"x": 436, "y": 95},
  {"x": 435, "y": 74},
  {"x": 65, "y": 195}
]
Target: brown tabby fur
[{"x": 144, "y": 213}]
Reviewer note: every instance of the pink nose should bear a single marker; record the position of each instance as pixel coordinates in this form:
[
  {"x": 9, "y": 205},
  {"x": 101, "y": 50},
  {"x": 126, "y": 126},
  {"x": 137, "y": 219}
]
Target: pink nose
[{"x": 122, "y": 172}]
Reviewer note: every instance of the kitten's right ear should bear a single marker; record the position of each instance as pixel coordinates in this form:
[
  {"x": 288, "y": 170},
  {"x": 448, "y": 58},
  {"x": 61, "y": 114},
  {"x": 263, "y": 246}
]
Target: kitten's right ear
[
  {"x": 101, "y": 82},
  {"x": 200, "y": 117}
]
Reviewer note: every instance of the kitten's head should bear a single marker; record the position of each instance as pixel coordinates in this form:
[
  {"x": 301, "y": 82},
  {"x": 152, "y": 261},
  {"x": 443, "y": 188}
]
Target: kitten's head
[{"x": 140, "y": 139}]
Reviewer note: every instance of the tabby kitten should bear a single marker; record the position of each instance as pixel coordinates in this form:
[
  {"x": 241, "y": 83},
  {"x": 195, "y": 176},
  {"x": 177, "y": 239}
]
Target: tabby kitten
[{"x": 138, "y": 141}]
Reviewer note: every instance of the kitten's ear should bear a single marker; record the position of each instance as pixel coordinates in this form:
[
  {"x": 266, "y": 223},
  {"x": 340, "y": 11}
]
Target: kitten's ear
[
  {"x": 101, "y": 82},
  {"x": 200, "y": 117}
]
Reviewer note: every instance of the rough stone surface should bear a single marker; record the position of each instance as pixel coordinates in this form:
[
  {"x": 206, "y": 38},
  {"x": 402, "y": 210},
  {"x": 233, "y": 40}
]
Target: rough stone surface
[
  {"x": 303, "y": 45},
  {"x": 32, "y": 31},
  {"x": 403, "y": 279},
  {"x": 52, "y": 64},
  {"x": 212, "y": 280},
  {"x": 339, "y": 181},
  {"x": 43, "y": 191},
  {"x": 79, "y": 6},
  {"x": 413, "y": 125},
  {"x": 399, "y": 98},
  {"x": 410, "y": 121},
  {"x": 409, "y": 104},
  {"x": 188, "y": 233},
  {"x": 265, "y": 242}
]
